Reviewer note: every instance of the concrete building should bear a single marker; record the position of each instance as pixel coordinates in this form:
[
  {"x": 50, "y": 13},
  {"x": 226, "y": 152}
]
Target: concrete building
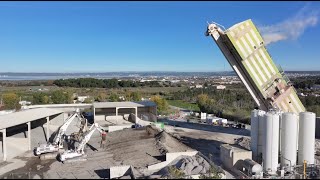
[
  {"x": 230, "y": 155},
  {"x": 142, "y": 109},
  {"x": 221, "y": 87},
  {"x": 23, "y": 103},
  {"x": 82, "y": 98},
  {"x": 22, "y": 130}
]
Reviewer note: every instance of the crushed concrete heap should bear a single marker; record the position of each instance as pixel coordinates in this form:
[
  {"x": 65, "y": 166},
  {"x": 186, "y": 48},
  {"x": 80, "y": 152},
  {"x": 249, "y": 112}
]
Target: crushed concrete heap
[
  {"x": 193, "y": 165},
  {"x": 189, "y": 165},
  {"x": 244, "y": 142}
]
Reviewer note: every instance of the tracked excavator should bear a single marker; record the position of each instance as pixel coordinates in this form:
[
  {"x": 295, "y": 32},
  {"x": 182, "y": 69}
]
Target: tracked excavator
[
  {"x": 79, "y": 150},
  {"x": 58, "y": 141}
]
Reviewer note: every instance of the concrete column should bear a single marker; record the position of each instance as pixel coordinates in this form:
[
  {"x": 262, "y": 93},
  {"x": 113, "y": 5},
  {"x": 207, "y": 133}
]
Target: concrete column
[
  {"x": 48, "y": 133},
  {"x": 94, "y": 114},
  {"x": 4, "y": 141},
  {"x": 29, "y": 135},
  {"x": 116, "y": 111},
  {"x": 136, "y": 111}
]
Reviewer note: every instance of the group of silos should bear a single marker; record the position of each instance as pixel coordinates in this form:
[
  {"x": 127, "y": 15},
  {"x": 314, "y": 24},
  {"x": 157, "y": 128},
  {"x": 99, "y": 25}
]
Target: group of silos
[{"x": 277, "y": 136}]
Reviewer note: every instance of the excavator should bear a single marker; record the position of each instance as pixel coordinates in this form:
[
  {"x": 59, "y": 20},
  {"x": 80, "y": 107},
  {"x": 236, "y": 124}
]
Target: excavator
[
  {"x": 243, "y": 47},
  {"x": 58, "y": 141},
  {"x": 79, "y": 150}
]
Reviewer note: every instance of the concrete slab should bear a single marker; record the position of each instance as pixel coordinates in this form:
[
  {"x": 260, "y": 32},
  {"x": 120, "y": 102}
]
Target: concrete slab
[
  {"x": 12, "y": 165},
  {"x": 16, "y": 146}
]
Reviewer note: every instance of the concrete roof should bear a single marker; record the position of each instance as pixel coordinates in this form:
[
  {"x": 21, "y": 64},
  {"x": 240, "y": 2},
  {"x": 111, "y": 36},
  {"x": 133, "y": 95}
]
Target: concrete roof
[
  {"x": 234, "y": 148},
  {"x": 58, "y": 106},
  {"x": 24, "y": 116},
  {"x": 123, "y": 104}
]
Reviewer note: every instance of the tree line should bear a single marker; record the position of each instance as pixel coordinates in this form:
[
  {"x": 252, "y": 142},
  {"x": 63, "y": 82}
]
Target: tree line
[
  {"x": 231, "y": 104},
  {"x": 103, "y": 83}
]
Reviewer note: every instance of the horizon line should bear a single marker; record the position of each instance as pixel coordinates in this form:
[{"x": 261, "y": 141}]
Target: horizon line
[{"x": 151, "y": 71}]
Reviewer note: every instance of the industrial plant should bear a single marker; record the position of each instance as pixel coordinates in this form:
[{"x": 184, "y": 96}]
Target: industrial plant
[
  {"x": 281, "y": 130},
  {"x": 130, "y": 140}
]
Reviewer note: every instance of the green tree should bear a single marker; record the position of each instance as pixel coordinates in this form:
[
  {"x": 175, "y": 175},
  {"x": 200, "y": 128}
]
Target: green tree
[
  {"x": 40, "y": 98},
  {"x": 204, "y": 102},
  {"x": 10, "y": 101},
  {"x": 136, "y": 96},
  {"x": 133, "y": 96},
  {"x": 128, "y": 96},
  {"x": 60, "y": 97},
  {"x": 162, "y": 104},
  {"x": 114, "y": 97},
  {"x": 101, "y": 97}
]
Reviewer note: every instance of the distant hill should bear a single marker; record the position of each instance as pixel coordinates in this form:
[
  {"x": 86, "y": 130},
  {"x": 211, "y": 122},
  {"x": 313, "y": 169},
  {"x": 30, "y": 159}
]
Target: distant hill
[{"x": 107, "y": 75}]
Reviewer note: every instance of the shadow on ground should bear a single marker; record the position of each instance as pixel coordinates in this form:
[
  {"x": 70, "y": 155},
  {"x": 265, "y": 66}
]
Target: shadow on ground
[
  {"x": 103, "y": 173},
  {"x": 206, "y": 127}
]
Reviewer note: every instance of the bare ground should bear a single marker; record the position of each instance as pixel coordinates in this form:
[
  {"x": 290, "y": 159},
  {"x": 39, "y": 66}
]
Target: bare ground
[{"x": 136, "y": 147}]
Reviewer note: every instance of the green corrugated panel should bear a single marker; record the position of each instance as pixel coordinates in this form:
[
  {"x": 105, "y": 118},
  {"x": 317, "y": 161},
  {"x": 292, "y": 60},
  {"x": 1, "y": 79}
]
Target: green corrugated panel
[{"x": 248, "y": 43}]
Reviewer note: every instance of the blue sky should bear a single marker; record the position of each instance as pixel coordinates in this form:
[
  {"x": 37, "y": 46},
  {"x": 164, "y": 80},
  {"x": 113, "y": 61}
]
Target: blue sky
[{"x": 145, "y": 36}]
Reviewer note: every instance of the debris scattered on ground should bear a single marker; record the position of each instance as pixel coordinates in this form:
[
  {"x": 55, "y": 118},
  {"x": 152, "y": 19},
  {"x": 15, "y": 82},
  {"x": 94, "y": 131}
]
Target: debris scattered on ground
[
  {"x": 185, "y": 166},
  {"x": 244, "y": 142}
]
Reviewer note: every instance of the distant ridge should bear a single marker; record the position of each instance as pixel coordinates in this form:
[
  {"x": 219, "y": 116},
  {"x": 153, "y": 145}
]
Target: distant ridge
[{"x": 127, "y": 74}]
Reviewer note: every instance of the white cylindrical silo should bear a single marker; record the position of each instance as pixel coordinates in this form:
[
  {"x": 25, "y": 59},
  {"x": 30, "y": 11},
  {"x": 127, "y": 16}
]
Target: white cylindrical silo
[
  {"x": 307, "y": 126},
  {"x": 288, "y": 136},
  {"x": 270, "y": 138},
  {"x": 260, "y": 135},
  {"x": 254, "y": 133}
]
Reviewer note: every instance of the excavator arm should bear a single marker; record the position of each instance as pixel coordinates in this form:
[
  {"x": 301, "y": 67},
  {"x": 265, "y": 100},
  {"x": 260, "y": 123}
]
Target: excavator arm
[
  {"x": 58, "y": 140},
  {"x": 79, "y": 151},
  {"x": 59, "y": 137}
]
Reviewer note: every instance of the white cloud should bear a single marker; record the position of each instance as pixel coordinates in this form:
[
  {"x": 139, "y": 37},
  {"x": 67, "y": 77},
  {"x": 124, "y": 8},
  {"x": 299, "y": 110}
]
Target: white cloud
[{"x": 291, "y": 28}]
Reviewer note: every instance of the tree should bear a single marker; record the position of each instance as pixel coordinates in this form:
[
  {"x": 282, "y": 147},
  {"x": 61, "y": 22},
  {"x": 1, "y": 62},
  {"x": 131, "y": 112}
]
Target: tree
[
  {"x": 136, "y": 96},
  {"x": 40, "y": 98},
  {"x": 60, "y": 97},
  {"x": 10, "y": 101},
  {"x": 101, "y": 97},
  {"x": 203, "y": 102},
  {"x": 133, "y": 96},
  {"x": 114, "y": 97},
  {"x": 128, "y": 96},
  {"x": 162, "y": 104}
]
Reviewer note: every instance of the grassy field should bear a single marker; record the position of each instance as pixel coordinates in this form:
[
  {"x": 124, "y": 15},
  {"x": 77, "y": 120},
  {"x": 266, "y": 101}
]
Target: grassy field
[{"x": 185, "y": 105}]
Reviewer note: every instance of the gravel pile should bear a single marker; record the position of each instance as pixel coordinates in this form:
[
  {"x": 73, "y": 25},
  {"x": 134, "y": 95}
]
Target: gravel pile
[
  {"x": 244, "y": 142},
  {"x": 169, "y": 143},
  {"x": 193, "y": 165},
  {"x": 188, "y": 165}
]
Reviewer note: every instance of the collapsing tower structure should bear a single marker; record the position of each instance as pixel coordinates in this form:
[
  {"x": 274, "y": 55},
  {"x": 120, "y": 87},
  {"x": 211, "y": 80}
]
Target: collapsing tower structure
[
  {"x": 244, "y": 48},
  {"x": 281, "y": 130}
]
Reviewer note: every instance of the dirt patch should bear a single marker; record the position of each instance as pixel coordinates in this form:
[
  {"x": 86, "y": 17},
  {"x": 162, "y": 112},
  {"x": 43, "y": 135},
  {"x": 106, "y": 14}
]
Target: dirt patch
[
  {"x": 168, "y": 143},
  {"x": 33, "y": 168}
]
